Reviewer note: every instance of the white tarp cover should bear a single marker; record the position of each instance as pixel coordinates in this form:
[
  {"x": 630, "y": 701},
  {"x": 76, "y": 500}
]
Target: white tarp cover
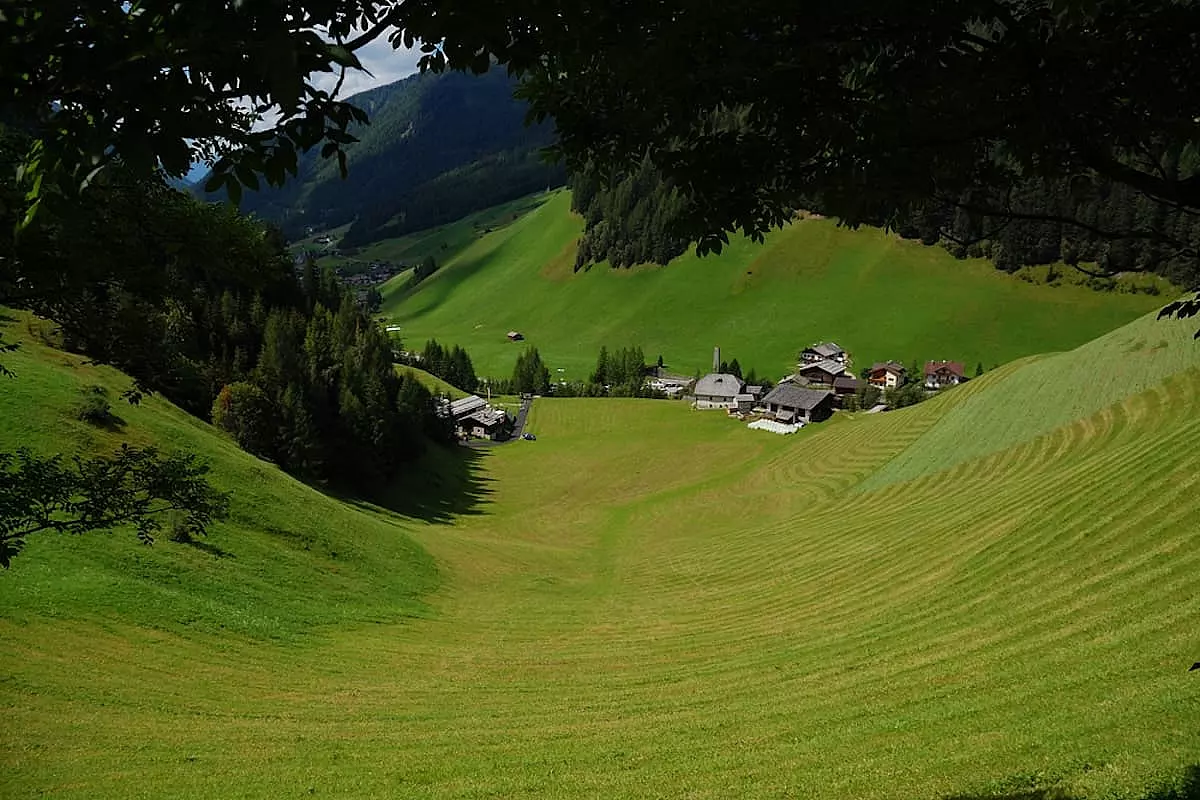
[{"x": 774, "y": 427}]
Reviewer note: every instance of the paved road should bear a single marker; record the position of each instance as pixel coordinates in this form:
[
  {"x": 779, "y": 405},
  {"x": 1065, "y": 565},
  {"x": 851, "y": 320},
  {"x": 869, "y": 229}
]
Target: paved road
[{"x": 519, "y": 428}]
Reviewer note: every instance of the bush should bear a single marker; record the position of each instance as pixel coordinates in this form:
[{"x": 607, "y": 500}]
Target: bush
[{"x": 94, "y": 408}]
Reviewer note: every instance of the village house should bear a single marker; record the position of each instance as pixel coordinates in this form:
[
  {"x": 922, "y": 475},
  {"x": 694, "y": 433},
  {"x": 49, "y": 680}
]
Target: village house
[
  {"x": 887, "y": 375},
  {"x": 825, "y": 351},
  {"x": 489, "y": 423},
  {"x": 940, "y": 374},
  {"x": 844, "y": 386},
  {"x": 821, "y": 373},
  {"x": 744, "y": 403},
  {"x": 790, "y": 403},
  {"x": 718, "y": 390},
  {"x": 473, "y": 417}
]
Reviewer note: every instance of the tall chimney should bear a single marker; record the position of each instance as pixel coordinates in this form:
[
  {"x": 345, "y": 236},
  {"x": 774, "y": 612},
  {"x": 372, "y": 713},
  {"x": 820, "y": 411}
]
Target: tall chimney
[{"x": 716, "y": 359}]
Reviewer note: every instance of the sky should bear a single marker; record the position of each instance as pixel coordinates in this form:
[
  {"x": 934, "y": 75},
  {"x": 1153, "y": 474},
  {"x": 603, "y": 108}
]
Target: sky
[{"x": 384, "y": 64}]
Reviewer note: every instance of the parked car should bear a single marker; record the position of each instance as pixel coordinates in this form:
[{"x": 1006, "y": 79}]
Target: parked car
[{"x": 529, "y": 437}]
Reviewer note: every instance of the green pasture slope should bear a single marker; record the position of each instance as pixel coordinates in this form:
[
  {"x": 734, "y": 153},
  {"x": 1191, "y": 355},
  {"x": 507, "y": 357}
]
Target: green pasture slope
[
  {"x": 649, "y": 601},
  {"x": 877, "y": 295},
  {"x": 433, "y": 383},
  {"x": 288, "y": 559}
]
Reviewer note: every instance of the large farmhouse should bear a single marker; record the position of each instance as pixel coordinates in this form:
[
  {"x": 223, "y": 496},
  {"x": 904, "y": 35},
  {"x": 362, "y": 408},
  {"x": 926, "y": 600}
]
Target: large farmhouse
[
  {"x": 718, "y": 390},
  {"x": 887, "y": 375},
  {"x": 940, "y": 374},
  {"x": 790, "y": 403}
]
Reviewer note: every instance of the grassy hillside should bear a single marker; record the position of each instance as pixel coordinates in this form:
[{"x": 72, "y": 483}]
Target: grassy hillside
[
  {"x": 435, "y": 384},
  {"x": 444, "y": 242},
  {"x": 288, "y": 559},
  {"x": 877, "y": 295},
  {"x": 653, "y": 601},
  {"x": 1046, "y": 393}
]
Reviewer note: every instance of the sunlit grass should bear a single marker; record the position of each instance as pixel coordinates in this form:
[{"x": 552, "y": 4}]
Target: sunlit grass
[
  {"x": 873, "y": 293},
  {"x": 646, "y": 601}
]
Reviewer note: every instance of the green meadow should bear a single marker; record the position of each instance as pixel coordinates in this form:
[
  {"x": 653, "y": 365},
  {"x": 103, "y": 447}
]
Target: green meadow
[
  {"x": 991, "y": 594},
  {"x": 877, "y": 295}
]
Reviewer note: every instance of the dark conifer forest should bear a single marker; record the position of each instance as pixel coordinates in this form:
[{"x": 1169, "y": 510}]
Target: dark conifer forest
[{"x": 206, "y": 307}]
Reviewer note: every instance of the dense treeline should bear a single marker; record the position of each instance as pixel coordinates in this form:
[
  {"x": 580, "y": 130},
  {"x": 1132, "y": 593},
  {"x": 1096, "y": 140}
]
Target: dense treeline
[
  {"x": 637, "y": 219},
  {"x": 1155, "y": 238},
  {"x": 618, "y": 373},
  {"x": 530, "y": 374},
  {"x": 622, "y": 372},
  {"x": 451, "y": 364},
  {"x": 205, "y": 307},
  {"x": 632, "y": 221}
]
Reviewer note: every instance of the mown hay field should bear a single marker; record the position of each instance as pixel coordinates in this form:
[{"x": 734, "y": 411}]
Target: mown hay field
[{"x": 650, "y": 601}]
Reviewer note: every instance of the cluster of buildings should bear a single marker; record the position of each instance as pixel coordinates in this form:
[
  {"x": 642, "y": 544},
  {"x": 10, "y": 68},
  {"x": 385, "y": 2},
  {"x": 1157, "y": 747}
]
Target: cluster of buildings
[
  {"x": 936, "y": 375},
  {"x": 819, "y": 385},
  {"x": 475, "y": 418},
  {"x": 359, "y": 274},
  {"x": 375, "y": 273}
]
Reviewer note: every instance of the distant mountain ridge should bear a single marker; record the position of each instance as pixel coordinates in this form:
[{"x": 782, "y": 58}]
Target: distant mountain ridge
[{"x": 437, "y": 148}]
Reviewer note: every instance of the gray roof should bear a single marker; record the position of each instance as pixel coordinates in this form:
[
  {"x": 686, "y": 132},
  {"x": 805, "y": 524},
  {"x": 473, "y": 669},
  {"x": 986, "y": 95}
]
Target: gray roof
[
  {"x": 827, "y": 349},
  {"x": 789, "y": 395},
  {"x": 467, "y": 405},
  {"x": 744, "y": 398},
  {"x": 488, "y": 417},
  {"x": 754, "y": 390},
  {"x": 719, "y": 384},
  {"x": 845, "y": 382},
  {"x": 827, "y": 366}
]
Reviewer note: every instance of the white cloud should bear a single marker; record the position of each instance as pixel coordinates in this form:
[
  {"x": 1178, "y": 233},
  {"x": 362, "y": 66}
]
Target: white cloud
[{"x": 384, "y": 64}]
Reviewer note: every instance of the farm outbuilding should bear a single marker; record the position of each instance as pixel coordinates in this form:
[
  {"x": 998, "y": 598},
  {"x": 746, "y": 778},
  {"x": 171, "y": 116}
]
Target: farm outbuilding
[
  {"x": 790, "y": 403},
  {"x": 822, "y": 373}
]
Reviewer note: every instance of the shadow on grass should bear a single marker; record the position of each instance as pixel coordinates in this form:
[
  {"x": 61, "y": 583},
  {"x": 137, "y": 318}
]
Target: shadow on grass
[
  {"x": 1187, "y": 788},
  {"x": 109, "y": 422},
  {"x": 206, "y": 547},
  {"x": 445, "y": 483}
]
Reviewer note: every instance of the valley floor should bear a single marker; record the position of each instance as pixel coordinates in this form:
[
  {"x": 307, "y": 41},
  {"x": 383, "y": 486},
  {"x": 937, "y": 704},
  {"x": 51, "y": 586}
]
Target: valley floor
[{"x": 651, "y": 601}]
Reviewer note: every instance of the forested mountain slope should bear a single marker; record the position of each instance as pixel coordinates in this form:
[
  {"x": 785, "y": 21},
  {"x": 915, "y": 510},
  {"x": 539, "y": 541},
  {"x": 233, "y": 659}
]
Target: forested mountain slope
[
  {"x": 437, "y": 147},
  {"x": 287, "y": 559}
]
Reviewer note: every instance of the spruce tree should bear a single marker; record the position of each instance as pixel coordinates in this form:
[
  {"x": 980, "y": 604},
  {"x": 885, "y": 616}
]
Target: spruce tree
[{"x": 601, "y": 375}]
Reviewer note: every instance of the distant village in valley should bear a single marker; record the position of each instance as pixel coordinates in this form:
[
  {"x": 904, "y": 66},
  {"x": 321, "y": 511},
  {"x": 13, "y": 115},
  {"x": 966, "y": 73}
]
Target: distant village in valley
[{"x": 821, "y": 383}]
